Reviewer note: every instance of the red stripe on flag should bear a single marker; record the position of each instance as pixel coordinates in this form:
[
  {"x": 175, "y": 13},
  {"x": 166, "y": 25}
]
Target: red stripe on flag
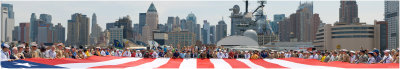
[
  {"x": 265, "y": 64},
  {"x": 340, "y": 64},
  {"x": 70, "y": 60},
  {"x": 204, "y": 63},
  {"x": 172, "y": 63},
  {"x": 129, "y": 64},
  {"x": 236, "y": 64}
]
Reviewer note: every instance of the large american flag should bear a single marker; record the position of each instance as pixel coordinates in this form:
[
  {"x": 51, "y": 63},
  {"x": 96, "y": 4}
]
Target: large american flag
[{"x": 191, "y": 63}]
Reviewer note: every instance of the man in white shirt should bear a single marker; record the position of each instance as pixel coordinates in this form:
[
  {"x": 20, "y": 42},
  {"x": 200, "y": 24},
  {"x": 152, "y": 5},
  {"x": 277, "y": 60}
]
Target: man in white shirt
[
  {"x": 316, "y": 56},
  {"x": 112, "y": 53},
  {"x": 127, "y": 53},
  {"x": 4, "y": 55},
  {"x": 154, "y": 54},
  {"x": 220, "y": 54},
  {"x": 386, "y": 58},
  {"x": 226, "y": 54},
  {"x": 371, "y": 58},
  {"x": 119, "y": 53},
  {"x": 116, "y": 53},
  {"x": 103, "y": 53},
  {"x": 301, "y": 55},
  {"x": 138, "y": 54},
  {"x": 310, "y": 55},
  {"x": 51, "y": 53},
  {"x": 333, "y": 57},
  {"x": 247, "y": 55},
  {"x": 288, "y": 55},
  {"x": 353, "y": 57}
]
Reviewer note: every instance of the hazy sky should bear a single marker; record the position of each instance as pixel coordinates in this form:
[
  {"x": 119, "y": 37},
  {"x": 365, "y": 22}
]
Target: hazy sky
[{"x": 212, "y": 11}]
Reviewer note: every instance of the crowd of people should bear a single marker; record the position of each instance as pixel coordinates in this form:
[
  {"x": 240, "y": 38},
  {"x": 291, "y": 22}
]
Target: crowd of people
[{"x": 58, "y": 50}]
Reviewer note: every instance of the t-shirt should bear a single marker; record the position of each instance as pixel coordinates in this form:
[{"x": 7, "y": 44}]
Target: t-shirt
[
  {"x": 4, "y": 56},
  {"x": 371, "y": 60}
]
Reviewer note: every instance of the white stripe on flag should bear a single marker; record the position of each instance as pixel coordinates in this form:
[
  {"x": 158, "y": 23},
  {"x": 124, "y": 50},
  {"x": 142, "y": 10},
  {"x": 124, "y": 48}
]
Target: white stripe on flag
[
  {"x": 294, "y": 65},
  {"x": 88, "y": 65},
  {"x": 188, "y": 64},
  {"x": 251, "y": 64},
  {"x": 154, "y": 64},
  {"x": 220, "y": 64}
]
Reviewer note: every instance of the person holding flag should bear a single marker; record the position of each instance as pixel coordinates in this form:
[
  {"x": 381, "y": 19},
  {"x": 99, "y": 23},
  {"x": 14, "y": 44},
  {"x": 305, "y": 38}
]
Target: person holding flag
[{"x": 4, "y": 55}]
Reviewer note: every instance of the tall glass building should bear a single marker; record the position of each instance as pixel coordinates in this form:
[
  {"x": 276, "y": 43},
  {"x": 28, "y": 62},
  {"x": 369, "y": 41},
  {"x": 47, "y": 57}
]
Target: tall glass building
[
  {"x": 392, "y": 18},
  {"x": 7, "y": 22},
  {"x": 142, "y": 21},
  {"x": 206, "y": 32}
]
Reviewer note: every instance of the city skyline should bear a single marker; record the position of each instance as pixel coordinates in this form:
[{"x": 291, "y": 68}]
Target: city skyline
[
  {"x": 181, "y": 9},
  {"x": 210, "y": 34}
]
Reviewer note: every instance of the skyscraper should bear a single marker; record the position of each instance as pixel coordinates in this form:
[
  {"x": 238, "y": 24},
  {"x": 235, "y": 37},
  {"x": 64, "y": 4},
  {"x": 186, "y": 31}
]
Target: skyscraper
[
  {"x": 7, "y": 22},
  {"x": 152, "y": 17},
  {"x": 35, "y": 23},
  {"x": 197, "y": 31},
  {"x": 126, "y": 23},
  {"x": 171, "y": 21},
  {"x": 212, "y": 35},
  {"x": 38, "y": 22},
  {"x": 151, "y": 22},
  {"x": 46, "y": 18},
  {"x": 177, "y": 25},
  {"x": 191, "y": 22},
  {"x": 188, "y": 25},
  {"x": 206, "y": 32},
  {"x": 110, "y": 25},
  {"x": 142, "y": 21},
  {"x": 145, "y": 34},
  {"x": 348, "y": 12},
  {"x": 192, "y": 17},
  {"x": 274, "y": 24},
  {"x": 24, "y": 27},
  {"x": 183, "y": 24},
  {"x": 392, "y": 18},
  {"x": 136, "y": 35},
  {"x": 96, "y": 30},
  {"x": 285, "y": 30},
  {"x": 221, "y": 30},
  {"x": 78, "y": 30},
  {"x": 163, "y": 27},
  {"x": 33, "y": 28},
  {"x": 279, "y": 17},
  {"x": 381, "y": 35},
  {"x": 45, "y": 33},
  {"x": 305, "y": 11},
  {"x": 59, "y": 33},
  {"x": 16, "y": 33},
  {"x": 135, "y": 28},
  {"x": 315, "y": 25},
  {"x": 290, "y": 28},
  {"x": 191, "y": 25},
  {"x": 94, "y": 21}
]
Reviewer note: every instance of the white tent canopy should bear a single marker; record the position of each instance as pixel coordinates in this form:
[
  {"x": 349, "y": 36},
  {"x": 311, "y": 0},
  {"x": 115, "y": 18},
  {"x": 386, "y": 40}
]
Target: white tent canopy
[{"x": 237, "y": 41}]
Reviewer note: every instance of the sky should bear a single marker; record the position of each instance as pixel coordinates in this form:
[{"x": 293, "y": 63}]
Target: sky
[{"x": 212, "y": 11}]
